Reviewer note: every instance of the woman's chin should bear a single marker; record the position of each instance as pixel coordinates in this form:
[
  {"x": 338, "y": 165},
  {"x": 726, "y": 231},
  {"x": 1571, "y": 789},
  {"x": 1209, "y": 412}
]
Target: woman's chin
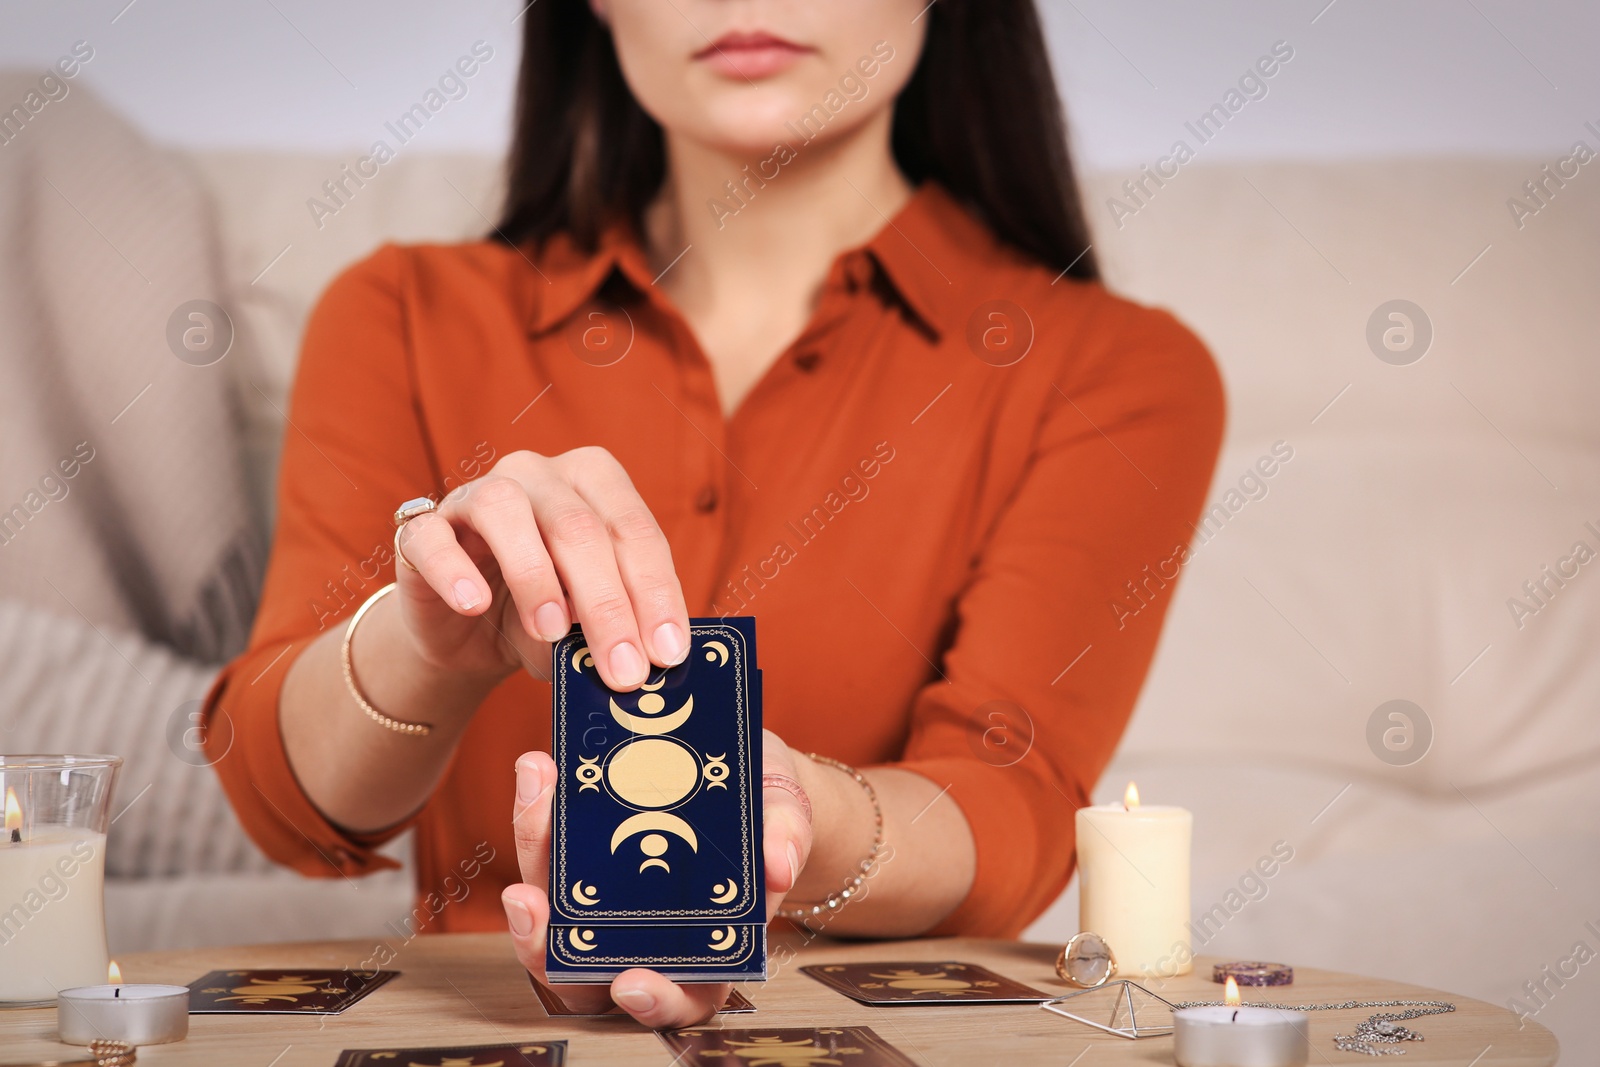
[{"x": 752, "y": 125}]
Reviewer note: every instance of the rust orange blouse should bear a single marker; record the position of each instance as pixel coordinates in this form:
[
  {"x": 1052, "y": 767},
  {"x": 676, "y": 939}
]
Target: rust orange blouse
[{"x": 953, "y": 506}]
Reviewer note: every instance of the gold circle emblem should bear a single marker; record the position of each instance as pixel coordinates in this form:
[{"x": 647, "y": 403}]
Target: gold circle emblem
[{"x": 652, "y": 773}]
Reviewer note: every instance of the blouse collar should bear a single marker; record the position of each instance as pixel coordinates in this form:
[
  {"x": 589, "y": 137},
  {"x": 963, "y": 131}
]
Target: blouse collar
[{"x": 927, "y": 253}]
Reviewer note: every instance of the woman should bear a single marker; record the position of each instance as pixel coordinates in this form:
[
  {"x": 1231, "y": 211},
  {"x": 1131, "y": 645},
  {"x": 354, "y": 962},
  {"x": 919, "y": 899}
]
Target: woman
[{"x": 791, "y": 314}]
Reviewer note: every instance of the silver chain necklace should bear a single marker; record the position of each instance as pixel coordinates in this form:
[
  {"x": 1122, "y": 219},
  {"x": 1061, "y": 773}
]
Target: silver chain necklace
[{"x": 1381, "y": 1029}]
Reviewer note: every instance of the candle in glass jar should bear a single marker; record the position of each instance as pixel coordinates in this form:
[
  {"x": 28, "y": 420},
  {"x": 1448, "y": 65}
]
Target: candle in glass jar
[
  {"x": 136, "y": 1014},
  {"x": 1133, "y": 883},
  {"x": 52, "y": 918}
]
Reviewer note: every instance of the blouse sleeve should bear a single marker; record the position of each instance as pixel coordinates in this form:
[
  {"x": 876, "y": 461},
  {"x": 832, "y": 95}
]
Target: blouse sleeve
[
  {"x": 1058, "y": 624},
  {"x": 353, "y": 450}
]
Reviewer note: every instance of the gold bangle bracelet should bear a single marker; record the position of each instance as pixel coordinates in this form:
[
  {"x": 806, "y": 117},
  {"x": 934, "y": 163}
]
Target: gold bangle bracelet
[
  {"x": 410, "y": 729},
  {"x": 805, "y": 913}
]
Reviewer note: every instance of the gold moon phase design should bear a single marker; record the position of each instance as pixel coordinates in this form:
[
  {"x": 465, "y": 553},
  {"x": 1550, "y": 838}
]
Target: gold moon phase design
[
  {"x": 583, "y": 940},
  {"x": 639, "y": 724},
  {"x": 583, "y": 895},
  {"x": 662, "y": 821},
  {"x": 716, "y": 772},
  {"x": 651, "y": 687},
  {"x": 581, "y": 659},
  {"x": 721, "y": 895},
  {"x": 654, "y": 846},
  {"x": 652, "y": 773},
  {"x": 717, "y": 652},
  {"x": 588, "y": 773},
  {"x": 724, "y": 939}
]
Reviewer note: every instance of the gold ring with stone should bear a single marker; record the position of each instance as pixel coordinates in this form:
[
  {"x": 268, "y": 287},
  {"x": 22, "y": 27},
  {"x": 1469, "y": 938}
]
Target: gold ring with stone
[{"x": 403, "y": 514}]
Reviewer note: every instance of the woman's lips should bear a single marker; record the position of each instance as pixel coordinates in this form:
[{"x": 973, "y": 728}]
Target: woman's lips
[{"x": 751, "y": 55}]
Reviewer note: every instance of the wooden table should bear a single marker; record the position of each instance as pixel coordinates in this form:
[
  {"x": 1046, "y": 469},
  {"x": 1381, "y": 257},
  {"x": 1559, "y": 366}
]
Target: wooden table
[{"x": 469, "y": 989}]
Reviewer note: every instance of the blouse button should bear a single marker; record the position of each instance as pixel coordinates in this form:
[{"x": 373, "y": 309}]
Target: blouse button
[
  {"x": 706, "y": 501},
  {"x": 806, "y": 361}
]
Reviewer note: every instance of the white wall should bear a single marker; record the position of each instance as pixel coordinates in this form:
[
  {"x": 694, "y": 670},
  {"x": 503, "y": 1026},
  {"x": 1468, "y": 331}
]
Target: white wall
[{"x": 1369, "y": 77}]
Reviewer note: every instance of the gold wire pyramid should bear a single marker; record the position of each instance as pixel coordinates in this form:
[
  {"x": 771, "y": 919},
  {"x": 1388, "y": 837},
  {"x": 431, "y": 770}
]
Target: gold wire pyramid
[{"x": 1124, "y": 1008}]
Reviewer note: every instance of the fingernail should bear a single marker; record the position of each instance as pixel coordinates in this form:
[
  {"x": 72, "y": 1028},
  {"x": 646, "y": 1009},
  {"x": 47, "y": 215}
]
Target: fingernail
[
  {"x": 530, "y": 783},
  {"x": 670, "y": 644},
  {"x": 627, "y": 666},
  {"x": 466, "y": 594},
  {"x": 551, "y": 621},
  {"x": 794, "y": 865},
  {"x": 633, "y": 999},
  {"x": 518, "y": 917}
]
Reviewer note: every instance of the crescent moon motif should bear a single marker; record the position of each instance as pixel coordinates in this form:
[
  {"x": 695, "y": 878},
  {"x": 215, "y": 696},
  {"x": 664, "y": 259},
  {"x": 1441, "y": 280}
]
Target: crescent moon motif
[
  {"x": 664, "y": 821},
  {"x": 724, "y": 939},
  {"x": 584, "y": 895},
  {"x": 664, "y": 725},
  {"x": 723, "y": 895},
  {"x": 654, "y": 862},
  {"x": 717, "y": 652},
  {"x": 651, "y": 687},
  {"x": 583, "y": 940},
  {"x": 581, "y": 659}
]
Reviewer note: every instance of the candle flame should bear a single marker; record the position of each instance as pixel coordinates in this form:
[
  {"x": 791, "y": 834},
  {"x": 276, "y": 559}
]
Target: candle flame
[
  {"x": 1130, "y": 799},
  {"x": 1230, "y": 995},
  {"x": 114, "y": 973},
  {"x": 13, "y": 812}
]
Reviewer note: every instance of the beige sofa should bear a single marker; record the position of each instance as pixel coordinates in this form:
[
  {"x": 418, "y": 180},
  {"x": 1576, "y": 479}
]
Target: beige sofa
[{"x": 1374, "y": 564}]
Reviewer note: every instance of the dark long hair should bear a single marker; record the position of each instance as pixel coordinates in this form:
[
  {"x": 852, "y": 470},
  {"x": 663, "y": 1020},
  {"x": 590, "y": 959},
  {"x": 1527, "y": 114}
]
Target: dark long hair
[{"x": 980, "y": 115}]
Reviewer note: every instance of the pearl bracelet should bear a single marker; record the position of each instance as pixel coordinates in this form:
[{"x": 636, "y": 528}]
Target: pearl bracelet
[{"x": 834, "y": 903}]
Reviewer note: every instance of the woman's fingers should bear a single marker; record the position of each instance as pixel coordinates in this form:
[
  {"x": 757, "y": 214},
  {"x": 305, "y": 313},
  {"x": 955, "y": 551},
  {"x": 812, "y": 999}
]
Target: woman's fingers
[
  {"x": 787, "y": 830},
  {"x": 661, "y": 1004},
  {"x": 430, "y": 545},
  {"x": 530, "y": 817},
  {"x": 499, "y": 511},
  {"x": 528, "y": 919},
  {"x": 572, "y": 541},
  {"x": 527, "y": 905},
  {"x": 786, "y": 843},
  {"x": 644, "y": 558},
  {"x": 587, "y": 563}
]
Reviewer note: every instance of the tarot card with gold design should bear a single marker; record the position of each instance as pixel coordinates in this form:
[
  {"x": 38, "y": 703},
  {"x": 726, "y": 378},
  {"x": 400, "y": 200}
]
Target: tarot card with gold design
[
  {"x": 515, "y": 1054},
  {"x": 301, "y": 992},
  {"x": 883, "y": 984},
  {"x": 656, "y": 851},
  {"x": 800, "y": 1046}
]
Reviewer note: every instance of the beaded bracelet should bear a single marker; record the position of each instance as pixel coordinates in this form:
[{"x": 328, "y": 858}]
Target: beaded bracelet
[
  {"x": 838, "y": 900},
  {"x": 410, "y": 729}
]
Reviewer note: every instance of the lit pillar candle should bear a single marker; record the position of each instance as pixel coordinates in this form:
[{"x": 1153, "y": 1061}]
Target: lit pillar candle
[
  {"x": 52, "y": 913},
  {"x": 1133, "y": 883},
  {"x": 137, "y": 1014},
  {"x": 1234, "y": 1036}
]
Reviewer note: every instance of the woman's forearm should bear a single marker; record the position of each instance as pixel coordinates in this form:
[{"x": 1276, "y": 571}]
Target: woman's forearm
[
  {"x": 924, "y": 871},
  {"x": 359, "y": 774}
]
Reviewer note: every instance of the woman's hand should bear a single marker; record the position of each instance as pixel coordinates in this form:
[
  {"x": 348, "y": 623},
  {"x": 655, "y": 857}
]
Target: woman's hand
[
  {"x": 649, "y": 997},
  {"x": 508, "y": 562}
]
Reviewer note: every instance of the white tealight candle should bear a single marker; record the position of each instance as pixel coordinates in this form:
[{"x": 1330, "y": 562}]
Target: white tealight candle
[
  {"x": 1231, "y": 1036},
  {"x": 1133, "y": 883},
  {"x": 137, "y": 1014}
]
